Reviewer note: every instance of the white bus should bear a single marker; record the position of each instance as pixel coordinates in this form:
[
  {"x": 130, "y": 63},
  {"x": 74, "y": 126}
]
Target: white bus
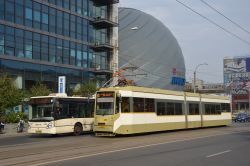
[
  {"x": 58, "y": 114},
  {"x": 131, "y": 110}
]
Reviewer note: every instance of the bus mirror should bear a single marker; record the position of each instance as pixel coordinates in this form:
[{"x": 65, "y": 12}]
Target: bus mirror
[{"x": 120, "y": 99}]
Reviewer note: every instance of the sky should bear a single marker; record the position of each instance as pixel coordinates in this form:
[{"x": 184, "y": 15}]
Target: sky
[{"x": 201, "y": 41}]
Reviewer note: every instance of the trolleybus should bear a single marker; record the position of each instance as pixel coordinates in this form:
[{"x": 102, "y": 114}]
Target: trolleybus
[
  {"x": 57, "y": 114},
  {"x": 130, "y": 110}
]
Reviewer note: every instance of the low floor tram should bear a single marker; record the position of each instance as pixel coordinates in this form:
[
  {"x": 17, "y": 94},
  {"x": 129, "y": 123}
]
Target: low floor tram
[
  {"x": 59, "y": 113},
  {"x": 131, "y": 110}
]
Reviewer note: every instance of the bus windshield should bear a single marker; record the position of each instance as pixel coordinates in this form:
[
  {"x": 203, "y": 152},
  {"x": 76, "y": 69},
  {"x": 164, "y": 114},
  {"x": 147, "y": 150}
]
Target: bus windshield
[
  {"x": 105, "y": 106},
  {"x": 42, "y": 112}
]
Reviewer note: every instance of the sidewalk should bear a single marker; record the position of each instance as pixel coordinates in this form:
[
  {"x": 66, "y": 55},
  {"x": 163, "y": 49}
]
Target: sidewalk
[{"x": 10, "y": 130}]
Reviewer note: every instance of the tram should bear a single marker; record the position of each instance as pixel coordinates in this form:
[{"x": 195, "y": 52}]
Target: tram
[{"x": 131, "y": 110}]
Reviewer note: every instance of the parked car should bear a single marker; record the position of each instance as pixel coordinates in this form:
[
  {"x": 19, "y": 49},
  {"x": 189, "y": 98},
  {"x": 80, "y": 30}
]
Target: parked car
[{"x": 242, "y": 117}]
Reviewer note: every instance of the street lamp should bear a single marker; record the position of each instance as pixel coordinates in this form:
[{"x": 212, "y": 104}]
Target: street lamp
[{"x": 195, "y": 74}]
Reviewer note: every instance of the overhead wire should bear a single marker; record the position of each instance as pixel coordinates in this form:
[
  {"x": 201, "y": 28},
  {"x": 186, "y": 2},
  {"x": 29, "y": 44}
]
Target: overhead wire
[
  {"x": 216, "y": 10},
  {"x": 214, "y": 23}
]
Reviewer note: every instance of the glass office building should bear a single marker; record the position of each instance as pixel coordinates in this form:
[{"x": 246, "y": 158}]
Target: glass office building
[{"x": 43, "y": 39}]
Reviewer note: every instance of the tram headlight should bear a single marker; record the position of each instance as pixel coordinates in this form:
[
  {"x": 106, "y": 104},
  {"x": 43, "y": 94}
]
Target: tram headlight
[{"x": 49, "y": 125}]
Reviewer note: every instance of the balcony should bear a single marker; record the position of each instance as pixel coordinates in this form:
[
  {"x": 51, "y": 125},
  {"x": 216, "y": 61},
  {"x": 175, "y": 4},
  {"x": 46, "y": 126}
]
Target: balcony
[
  {"x": 100, "y": 23},
  {"x": 98, "y": 70},
  {"x": 97, "y": 46},
  {"x": 104, "y": 2}
]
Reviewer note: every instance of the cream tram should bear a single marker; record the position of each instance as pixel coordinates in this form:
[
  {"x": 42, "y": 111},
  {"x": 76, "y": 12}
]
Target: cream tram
[{"x": 130, "y": 110}]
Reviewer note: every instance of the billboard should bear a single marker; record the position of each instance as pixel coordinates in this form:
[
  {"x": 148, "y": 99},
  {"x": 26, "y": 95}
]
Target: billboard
[
  {"x": 237, "y": 75},
  {"x": 61, "y": 84}
]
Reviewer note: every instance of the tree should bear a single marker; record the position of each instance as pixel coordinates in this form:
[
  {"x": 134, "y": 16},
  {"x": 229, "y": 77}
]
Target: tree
[
  {"x": 39, "y": 89},
  {"x": 10, "y": 95},
  {"x": 87, "y": 89}
]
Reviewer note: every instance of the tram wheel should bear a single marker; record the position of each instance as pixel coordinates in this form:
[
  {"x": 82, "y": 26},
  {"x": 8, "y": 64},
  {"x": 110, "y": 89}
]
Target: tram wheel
[{"x": 78, "y": 130}]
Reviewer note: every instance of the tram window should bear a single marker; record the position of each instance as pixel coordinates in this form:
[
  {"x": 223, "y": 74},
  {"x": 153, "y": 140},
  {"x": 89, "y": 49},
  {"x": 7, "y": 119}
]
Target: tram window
[
  {"x": 225, "y": 107},
  {"x": 178, "y": 109},
  {"x": 149, "y": 105},
  {"x": 138, "y": 104},
  {"x": 212, "y": 109},
  {"x": 217, "y": 109},
  {"x": 125, "y": 104},
  {"x": 161, "y": 108},
  {"x": 170, "y": 108},
  {"x": 193, "y": 109}
]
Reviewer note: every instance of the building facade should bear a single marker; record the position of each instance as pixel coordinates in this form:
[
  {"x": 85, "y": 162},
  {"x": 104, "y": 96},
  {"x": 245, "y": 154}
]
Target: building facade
[
  {"x": 43, "y": 39},
  {"x": 150, "y": 50}
]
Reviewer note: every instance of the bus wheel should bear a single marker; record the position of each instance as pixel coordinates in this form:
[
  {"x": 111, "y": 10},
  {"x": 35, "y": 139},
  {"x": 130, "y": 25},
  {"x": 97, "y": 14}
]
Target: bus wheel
[{"x": 78, "y": 129}]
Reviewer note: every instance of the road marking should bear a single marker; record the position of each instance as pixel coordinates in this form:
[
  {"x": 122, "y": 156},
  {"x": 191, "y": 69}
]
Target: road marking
[
  {"x": 138, "y": 147},
  {"x": 217, "y": 154}
]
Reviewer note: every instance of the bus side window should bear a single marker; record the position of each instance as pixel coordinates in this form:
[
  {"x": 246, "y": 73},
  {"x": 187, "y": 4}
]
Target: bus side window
[
  {"x": 81, "y": 111},
  {"x": 73, "y": 111}
]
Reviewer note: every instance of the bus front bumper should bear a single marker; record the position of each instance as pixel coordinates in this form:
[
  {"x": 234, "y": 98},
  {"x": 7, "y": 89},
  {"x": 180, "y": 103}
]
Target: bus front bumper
[{"x": 42, "y": 130}]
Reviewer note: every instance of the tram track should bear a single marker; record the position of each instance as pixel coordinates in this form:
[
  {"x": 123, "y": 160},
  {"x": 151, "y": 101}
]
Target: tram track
[{"x": 39, "y": 152}]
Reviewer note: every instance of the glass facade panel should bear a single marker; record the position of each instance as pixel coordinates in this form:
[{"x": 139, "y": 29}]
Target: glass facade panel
[
  {"x": 1, "y": 39},
  {"x": 52, "y": 49},
  {"x": 85, "y": 59},
  {"x": 36, "y": 46},
  {"x": 9, "y": 10},
  {"x": 19, "y": 43},
  {"x": 73, "y": 54},
  {"x": 59, "y": 50},
  {"x": 66, "y": 52},
  {"x": 52, "y": 20},
  {"x": 1, "y": 10},
  {"x": 45, "y": 48},
  {"x": 66, "y": 24},
  {"x": 79, "y": 55},
  {"x": 28, "y": 17},
  {"x": 19, "y": 14},
  {"x": 59, "y": 22},
  {"x": 52, "y": 35},
  {"x": 28, "y": 45},
  {"x": 28, "y": 13}
]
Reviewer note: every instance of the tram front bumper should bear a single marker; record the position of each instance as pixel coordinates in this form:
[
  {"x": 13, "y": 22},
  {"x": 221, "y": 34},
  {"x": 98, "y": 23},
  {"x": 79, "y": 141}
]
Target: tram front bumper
[{"x": 103, "y": 128}]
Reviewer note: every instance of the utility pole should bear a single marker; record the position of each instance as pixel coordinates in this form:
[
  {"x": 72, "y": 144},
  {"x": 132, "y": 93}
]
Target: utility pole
[{"x": 195, "y": 74}]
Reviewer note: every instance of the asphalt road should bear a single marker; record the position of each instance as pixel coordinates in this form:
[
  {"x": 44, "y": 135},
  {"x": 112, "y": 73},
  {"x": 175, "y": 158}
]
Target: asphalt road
[{"x": 212, "y": 146}]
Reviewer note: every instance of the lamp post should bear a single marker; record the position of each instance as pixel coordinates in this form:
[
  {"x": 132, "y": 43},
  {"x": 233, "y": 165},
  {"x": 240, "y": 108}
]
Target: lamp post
[{"x": 196, "y": 68}]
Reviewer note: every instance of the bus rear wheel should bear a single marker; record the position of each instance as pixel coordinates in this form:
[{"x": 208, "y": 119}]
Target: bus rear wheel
[{"x": 78, "y": 130}]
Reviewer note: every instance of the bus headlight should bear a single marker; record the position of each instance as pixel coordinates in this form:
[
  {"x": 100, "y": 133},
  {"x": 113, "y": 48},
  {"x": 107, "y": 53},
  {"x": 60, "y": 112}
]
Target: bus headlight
[{"x": 49, "y": 125}]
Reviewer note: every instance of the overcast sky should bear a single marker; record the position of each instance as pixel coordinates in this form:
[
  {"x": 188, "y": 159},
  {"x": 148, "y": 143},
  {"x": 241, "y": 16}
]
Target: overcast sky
[{"x": 201, "y": 41}]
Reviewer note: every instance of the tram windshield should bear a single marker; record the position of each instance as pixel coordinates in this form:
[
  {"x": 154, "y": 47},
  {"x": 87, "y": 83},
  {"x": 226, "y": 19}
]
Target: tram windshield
[{"x": 105, "y": 106}]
